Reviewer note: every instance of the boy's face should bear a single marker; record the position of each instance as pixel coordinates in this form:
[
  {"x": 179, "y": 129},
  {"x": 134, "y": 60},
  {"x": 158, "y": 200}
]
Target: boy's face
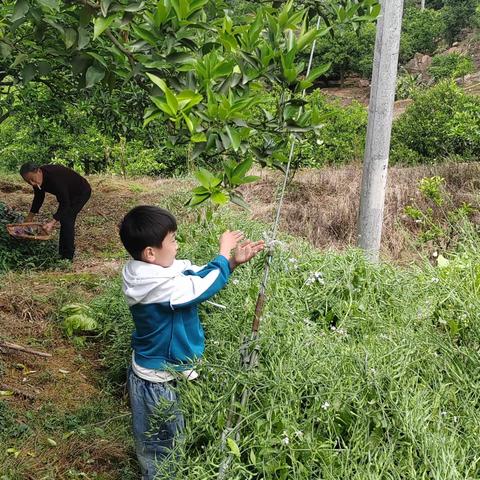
[{"x": 163, "y": 256}]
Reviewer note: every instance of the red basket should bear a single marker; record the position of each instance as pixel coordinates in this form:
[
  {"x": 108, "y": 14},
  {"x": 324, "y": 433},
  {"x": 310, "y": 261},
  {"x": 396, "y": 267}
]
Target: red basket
[{"x": 28, "y": 231}]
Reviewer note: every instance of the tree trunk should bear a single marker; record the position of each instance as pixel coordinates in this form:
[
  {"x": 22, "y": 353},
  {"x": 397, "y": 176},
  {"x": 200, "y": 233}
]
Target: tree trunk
[
  {"x": 422, "y": 4},
  {"x": 380, "y": 117}
]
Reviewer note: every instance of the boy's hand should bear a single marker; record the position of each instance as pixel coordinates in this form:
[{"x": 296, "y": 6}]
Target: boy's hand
[
  {"x": 245, "y": 252},
  {"x": 228, "y": 241}
]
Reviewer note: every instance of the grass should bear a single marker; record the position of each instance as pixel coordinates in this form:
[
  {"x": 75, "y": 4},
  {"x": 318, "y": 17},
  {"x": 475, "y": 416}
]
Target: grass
[
  {"x": 363, "y": 372},
  {"x": 89, "y": 442}
]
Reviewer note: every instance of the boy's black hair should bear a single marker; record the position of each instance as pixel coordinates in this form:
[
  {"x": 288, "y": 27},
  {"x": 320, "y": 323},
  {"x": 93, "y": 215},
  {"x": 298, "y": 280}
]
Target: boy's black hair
[
  {"x": 28, "y": 167},
  {"x": 145, "y": 226}
]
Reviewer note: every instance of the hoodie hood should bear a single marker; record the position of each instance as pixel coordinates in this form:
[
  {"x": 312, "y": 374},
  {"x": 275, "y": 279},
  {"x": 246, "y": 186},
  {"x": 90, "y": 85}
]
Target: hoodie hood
[{"x": 148, "y": 283}]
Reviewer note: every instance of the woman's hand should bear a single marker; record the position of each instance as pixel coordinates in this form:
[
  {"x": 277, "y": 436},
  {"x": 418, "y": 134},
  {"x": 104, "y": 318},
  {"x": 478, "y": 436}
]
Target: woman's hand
[
  {"x": 228, "y": 241},
  {"x": 49, "y": 226},
  {"x": 245, "y": 252},
  {"x": 29, "y": 218}
]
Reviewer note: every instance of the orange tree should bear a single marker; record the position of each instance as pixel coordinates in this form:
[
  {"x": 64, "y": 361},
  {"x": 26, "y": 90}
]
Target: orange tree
[{"x": 206, "y": 72}]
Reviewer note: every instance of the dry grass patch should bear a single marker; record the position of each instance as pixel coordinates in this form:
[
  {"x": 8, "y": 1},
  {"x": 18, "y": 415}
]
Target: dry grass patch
[{"x": 322, "y": 205}]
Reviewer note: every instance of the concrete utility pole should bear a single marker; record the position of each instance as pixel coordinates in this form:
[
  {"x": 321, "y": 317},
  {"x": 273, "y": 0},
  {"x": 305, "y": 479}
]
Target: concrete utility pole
[{"x": 380, "y": 117}]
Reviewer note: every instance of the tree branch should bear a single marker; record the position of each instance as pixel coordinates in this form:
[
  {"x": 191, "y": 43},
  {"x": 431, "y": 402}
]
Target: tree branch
[
  {"x": 87, "y": 3},
  {"x": 14, "y": 346},
  {"x": 18, "y": 391},
  {"x": 116, "y": 42},
  {"x": 5, "y": 116}
]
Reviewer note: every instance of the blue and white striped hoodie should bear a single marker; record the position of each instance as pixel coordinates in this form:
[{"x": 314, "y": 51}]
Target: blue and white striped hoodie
[{"x": 163, "y": 302}]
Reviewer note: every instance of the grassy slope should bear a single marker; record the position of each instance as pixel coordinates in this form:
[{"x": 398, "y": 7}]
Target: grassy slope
[{"x": 390, "y": 392}]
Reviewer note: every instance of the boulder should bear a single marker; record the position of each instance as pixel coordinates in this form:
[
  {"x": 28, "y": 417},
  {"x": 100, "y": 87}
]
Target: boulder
[{"x": 419, "y": 65}]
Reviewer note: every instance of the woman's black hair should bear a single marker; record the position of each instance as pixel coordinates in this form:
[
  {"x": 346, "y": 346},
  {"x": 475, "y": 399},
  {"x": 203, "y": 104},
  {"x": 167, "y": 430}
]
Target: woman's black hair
[
  {"x": 28, "y": 167},
  {"x": 145, "y": 226}
]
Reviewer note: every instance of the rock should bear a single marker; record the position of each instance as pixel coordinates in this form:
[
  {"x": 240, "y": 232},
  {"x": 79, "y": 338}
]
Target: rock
[
  {"x": 363, "y": 83},
  {"x": 456, "y": 49},
  {"x": 419, "y": 64},
  {"x": 470, "y": 79}
]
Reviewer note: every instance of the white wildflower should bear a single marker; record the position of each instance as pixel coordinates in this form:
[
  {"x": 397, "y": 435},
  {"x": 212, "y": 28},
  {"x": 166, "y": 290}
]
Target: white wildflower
[
  {"x": 298, "y": 434},
  {"x": 271, "y": 242},
  {"x": 285, "y": 439},
  {"x": 315, "y": 277},
  {"x": 339, "y": 330},
  {"x": 443, "y": 414},
  {"x": 325, "y": 406},
  {"x": 435, "y": 280}
]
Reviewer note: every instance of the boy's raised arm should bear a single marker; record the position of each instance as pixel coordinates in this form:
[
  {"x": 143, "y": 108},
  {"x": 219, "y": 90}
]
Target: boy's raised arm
[{"x": 193, "y": 287}]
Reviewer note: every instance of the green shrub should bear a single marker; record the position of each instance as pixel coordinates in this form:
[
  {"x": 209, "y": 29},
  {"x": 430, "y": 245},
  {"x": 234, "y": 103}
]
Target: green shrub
[
  {"x": 17, "y": 145},
  {"x": 407, "y": 86},
  {"x": 348, "y": 52},
  {"x": 458, "y": 15},
  {"x": 421, "y": 32},
  {"x": 85, "y": 135},
  {"x": 341, "y": 140},
  {"x": 450, "y": 66},
  {"x": 442, "y": 121}
]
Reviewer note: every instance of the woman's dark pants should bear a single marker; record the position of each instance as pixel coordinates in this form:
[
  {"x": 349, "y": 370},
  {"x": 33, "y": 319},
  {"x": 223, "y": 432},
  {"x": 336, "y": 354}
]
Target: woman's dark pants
[{"x": 66, "y": 245}]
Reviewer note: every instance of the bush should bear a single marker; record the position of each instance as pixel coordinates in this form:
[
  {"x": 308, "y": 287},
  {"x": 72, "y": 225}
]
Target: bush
[
  {"x": 407, "y": 86},
  {"x": 348, "y": 52},
  {"x": 422, "y": 30},
  {"x": 341, "y": 140},
  {"x": 450, "y": 66},
  {"x": 458, "y": 15},
  {"x": 442, "y": 121},
  {"x": 17, "y": 145},
  {"x": 86, "y": 135}
]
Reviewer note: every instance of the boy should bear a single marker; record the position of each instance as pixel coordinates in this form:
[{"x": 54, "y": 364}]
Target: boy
[{"x": 163, "y": 294}]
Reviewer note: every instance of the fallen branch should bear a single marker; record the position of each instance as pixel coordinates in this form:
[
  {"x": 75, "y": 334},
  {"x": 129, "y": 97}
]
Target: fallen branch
[
  {"x": 29, "y": 395},
  {"x": 14, "y": 346}
]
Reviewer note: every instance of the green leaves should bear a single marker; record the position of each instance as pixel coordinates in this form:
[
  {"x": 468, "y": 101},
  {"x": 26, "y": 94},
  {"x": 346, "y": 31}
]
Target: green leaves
[
  {"x": 222, "y": 189},
  {"x": 93, "y": 75},
  {"x": 20, "y": 10},
  {"x": 83, "y": 38},
  {"x": 234, "y": 450},
  {"x": 78, "y": 318},
  {"x": 70, "y": 37},
  {"x": 53, "y": 5},
  {"x": 207, "y": 179},
  {"x": 100, "y": 24},
  {"x": 28, "y": 72}
]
